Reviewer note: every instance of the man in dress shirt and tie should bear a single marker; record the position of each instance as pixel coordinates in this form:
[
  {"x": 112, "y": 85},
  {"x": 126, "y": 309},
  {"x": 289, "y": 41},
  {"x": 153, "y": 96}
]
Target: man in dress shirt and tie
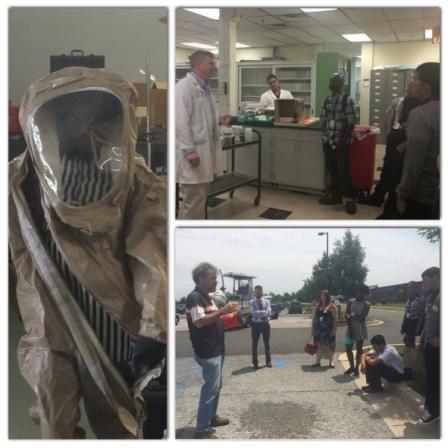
[{"x": 261, "y": 312}]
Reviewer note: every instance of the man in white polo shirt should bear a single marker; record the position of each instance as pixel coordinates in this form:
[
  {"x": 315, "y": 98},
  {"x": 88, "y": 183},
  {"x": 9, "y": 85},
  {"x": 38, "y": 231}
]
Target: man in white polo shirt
[{"x": 383, "y": 361}]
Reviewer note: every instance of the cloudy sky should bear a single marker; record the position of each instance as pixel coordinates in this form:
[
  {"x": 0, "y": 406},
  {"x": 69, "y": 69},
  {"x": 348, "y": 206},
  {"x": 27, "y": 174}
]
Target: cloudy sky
[{"x": 282, "y": 259}]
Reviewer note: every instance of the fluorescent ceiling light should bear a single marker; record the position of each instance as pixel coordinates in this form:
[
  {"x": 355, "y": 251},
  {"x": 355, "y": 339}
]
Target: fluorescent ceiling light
[
  {"x": 238, "y": 45},
  {"x": 318, "y": 9},
  {"x": 211, "y": 13},
  {"x": 428, "y": 34},
  {"x": 199, "y": 45},
  {"x": 362, "y": 37}
]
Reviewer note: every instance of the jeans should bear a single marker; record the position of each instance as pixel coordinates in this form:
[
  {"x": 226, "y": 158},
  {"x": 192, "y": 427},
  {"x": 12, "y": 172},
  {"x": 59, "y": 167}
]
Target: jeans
[
  {"x": 210, "y": 390},
  {"x": 337, "y": 165},
  {"x": 432, "y": 362}
]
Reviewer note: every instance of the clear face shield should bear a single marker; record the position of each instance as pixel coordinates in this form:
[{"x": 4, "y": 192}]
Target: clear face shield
[{"x": 77, "y": 143}]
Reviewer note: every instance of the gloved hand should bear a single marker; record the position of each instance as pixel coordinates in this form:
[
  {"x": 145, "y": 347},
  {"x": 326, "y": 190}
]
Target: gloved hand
[{"x": 146, "y": 354}]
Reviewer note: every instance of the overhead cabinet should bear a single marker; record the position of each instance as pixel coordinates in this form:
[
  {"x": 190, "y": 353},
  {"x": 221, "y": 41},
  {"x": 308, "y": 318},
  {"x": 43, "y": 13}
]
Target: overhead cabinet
[{"x": 298, "y": 78}]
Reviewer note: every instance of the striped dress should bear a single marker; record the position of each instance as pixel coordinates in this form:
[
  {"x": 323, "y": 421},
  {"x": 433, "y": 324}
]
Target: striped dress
[{"x": 359, "y": 329}]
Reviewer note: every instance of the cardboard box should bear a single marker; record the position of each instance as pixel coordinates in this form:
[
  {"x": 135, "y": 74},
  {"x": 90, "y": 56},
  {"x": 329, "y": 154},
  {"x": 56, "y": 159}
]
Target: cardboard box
[
  {"x": 289, "y": 111},
  {"x": 157, "y": 103}
]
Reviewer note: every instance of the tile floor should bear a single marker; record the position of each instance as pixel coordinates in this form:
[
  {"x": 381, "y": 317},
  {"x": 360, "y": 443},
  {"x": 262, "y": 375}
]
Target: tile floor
[{"x": 301, "y": 205}]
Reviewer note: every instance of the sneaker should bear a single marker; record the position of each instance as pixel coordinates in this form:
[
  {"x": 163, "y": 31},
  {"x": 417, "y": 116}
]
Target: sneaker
[
  {"x": 331, "y": 365},
  {"x": 373, "y": 389},
  {"x": 350, "y": 207},
  {"x": 349, "y": 371},
  {"x": 219, "y": 421},
  {"x": 205, "y": 435},
  {"x": 427, "y": 419},
  {"x": 372, "y": 199},
  {"x": 268, "y": 364},
  {"x": 330, "y": 200}
]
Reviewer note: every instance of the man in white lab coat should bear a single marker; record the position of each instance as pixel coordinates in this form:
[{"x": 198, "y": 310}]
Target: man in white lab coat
[
  {"x": 198, "y": 143},
  {"x": 274, "y": 93}
]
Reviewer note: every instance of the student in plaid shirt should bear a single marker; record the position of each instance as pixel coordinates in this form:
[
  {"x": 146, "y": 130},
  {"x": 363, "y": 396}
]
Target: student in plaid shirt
[{"x": 337, "y": 121}]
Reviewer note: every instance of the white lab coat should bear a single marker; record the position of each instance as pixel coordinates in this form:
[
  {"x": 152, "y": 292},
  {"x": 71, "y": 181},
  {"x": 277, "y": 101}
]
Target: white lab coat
[
  {"x": 194, "y": 129},
  {"x": 268, "y": 98}
]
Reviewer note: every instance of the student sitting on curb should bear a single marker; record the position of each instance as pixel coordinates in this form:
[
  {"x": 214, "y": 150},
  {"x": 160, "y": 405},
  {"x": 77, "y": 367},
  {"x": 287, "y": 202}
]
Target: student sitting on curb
[{"x": 383, "y": 361}]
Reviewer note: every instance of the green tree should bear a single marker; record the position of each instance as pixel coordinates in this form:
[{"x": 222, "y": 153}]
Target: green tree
[
  {"x": 431, "y": 234},
  {"x": 341, "y": 273}
]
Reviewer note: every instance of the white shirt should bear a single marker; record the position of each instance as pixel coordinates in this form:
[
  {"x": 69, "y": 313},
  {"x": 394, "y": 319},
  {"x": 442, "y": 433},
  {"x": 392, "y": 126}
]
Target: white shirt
[
  {"x": 391, "y": 358},
  {"x": 268, "y": 98}
]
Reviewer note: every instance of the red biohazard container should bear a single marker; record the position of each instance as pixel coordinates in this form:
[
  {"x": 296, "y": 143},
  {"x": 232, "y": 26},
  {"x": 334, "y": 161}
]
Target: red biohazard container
[{"x": 362, "y": 157}]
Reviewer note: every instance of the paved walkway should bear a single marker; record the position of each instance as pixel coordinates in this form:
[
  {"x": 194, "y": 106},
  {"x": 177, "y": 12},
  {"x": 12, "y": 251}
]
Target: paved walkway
[{"x": 292, "y": 401}]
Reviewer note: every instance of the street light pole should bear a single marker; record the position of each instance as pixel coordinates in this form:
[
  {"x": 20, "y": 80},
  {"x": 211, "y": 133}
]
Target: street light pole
[{"x": 328, "y": 261}]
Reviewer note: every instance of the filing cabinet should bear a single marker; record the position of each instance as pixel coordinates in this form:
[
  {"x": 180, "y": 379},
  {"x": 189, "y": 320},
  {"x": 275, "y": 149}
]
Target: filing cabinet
[{"x": 385, "y": 86}]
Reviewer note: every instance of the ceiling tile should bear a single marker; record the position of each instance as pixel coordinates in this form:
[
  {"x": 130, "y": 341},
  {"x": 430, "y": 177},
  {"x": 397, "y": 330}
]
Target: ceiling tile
[
  {"x": 283, "y": 11},
  {"x": 403, "y": 13},
  {"x": 319, "y": 30},
  {"x": 431, "y": 12},
  {"x": 308, "y": 21},
  {"x": 407, "y": 25},
  {"x": 266, "y": 20},
  {"x": 376, "y": 27},
  {"x": 251, "y": 12},
  {"x": 295, "y": 32},
  {"x": 331, "y": 18},
  {"x": 346, "y": 29},
  {"x": 334, "y": 39},
  {"x": 311, "y": 40},
  {"x": 404, "y": 36},
  {"x": 365, "y": 15},
  {"x": 383, "y": 37}
]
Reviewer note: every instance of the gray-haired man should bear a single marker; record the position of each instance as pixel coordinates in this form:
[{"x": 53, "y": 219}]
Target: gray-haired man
[
  {"x": 198, "y": 142},
  {"x": 207, "y": 337}
]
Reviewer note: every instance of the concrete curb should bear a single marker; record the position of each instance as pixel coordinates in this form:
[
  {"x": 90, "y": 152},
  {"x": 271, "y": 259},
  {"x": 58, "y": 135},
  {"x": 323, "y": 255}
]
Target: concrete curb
[{"x": 401, "y": 413}]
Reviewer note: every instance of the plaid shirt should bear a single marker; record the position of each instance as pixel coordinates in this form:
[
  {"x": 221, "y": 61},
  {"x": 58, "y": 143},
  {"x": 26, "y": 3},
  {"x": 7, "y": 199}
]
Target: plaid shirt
[{"x": 336, "y": 120}]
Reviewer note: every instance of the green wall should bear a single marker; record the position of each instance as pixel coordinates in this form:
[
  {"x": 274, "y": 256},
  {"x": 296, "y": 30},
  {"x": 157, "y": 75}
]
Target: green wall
[{"x": 326, "y": 65}]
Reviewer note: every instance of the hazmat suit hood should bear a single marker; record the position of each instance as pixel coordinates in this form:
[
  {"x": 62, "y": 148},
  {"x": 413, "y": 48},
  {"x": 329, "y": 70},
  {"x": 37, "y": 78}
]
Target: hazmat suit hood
[
  {"x": 80, "y": 128},
  {"x": 105, "y": 212}
]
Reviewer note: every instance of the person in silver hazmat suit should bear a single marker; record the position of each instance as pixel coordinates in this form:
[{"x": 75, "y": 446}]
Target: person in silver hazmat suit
[{"x": 88, "y": 243}]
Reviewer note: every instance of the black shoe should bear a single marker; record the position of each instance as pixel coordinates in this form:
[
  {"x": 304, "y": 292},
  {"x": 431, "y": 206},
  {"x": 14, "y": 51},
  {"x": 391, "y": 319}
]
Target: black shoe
[
  {"x": 316, "y": 364},
  {"x": 350, "y": 207},
  {"x": 373, "y": 389},
  {"x": 349, "y": 371},
  {"x": 372, "y": 199},
  {"x": 256, "y": 367},
  {"x": 427, "y": 419},
  {"x": 355, "y": 372},
  {"x": 330, "y": 200},
  {"x": 268, "y": 364}
]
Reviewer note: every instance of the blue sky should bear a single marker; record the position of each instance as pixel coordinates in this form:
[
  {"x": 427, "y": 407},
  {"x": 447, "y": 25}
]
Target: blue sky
[{"x": 282, "y": 258}]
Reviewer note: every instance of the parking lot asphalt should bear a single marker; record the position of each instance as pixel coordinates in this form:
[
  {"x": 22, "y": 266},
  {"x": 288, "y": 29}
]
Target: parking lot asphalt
[{"x": 290, "y": 401}]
